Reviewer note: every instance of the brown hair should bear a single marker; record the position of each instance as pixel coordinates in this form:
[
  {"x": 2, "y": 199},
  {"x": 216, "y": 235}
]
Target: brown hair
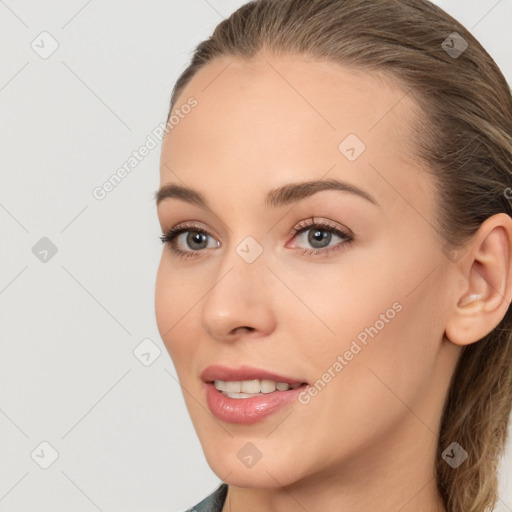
[{"x": 464, "y": 135}]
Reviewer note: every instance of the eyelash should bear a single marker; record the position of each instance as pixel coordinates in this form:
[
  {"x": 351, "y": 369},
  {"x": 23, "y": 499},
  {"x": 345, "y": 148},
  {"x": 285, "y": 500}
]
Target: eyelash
[{"x": 169, "y": 238}]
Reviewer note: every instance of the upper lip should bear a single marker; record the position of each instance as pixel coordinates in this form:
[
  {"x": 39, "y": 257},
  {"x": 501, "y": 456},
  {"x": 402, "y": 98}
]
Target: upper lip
[{"x": 219, "y": 372}]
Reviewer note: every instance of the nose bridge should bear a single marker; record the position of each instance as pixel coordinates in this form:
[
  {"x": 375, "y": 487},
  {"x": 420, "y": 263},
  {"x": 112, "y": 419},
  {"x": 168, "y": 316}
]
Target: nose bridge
[{"x": 240, "y": 295}]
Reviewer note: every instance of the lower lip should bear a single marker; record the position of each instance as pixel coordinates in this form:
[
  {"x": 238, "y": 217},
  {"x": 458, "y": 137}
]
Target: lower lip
[{"x": 248, "y": 410}]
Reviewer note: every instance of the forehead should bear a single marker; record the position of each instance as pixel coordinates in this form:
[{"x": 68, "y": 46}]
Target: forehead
[{"x": 276, "y": 119}]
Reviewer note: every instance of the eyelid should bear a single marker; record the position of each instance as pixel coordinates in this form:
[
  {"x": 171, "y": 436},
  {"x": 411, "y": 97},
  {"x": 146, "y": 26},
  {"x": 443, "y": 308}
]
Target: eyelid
[
  {"x": 315, "y": 221},
  {"x": 191, "y": 225}
]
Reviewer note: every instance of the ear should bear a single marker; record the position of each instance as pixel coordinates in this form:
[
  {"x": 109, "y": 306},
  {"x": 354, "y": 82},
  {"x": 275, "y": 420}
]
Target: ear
[{"x": 486, "y": 288}]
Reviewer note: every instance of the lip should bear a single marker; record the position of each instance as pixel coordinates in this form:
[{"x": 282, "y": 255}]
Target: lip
[
  {"x": 219, "y": 372},
  {"x": 246, "y": 411}
]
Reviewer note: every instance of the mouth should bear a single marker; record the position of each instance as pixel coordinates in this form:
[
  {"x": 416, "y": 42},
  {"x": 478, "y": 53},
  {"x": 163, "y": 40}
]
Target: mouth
[
  {"x": 248, "y": 408},
  {"x": 248, "y": 380}
]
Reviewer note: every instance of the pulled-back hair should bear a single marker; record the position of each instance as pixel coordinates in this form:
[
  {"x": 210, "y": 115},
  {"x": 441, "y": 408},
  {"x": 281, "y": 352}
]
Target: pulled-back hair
[{"x": 464, "y": 135}]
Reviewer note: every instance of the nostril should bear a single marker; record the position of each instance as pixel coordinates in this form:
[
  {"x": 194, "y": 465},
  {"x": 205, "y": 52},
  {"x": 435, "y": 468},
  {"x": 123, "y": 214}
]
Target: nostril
[{"x": 247, "y": 328}]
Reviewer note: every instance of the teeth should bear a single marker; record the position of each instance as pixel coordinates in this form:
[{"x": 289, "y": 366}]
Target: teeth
[
  {"x": 232, "y": 387},
  {"x": 248, "y": 388},
  {"x": 267, "y": 386}
]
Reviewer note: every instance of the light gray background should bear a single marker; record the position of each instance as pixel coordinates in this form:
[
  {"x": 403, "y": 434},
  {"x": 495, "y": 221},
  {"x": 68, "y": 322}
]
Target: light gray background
[{"x": 68, "y": 375}]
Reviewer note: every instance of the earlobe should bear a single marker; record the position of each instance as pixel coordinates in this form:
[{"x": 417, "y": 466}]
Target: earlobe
[{"x": 487, "y": 284}]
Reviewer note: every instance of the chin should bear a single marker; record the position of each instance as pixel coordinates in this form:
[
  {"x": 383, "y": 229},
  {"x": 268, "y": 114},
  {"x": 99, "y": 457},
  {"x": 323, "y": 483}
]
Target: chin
[
  {"x": 271, "y": 473},
  {"x": 255, "y": 479}
]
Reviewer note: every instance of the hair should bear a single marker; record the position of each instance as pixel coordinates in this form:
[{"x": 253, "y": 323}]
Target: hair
[{"x": 463, "y": 134}]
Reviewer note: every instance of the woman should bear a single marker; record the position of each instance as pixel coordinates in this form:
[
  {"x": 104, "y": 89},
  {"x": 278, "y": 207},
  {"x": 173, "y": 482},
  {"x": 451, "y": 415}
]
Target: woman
[{"x": 335, "y": 284}]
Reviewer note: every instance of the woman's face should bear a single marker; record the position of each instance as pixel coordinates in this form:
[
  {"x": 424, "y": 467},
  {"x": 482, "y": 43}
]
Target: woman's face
[{"x": 354, "y": 308}]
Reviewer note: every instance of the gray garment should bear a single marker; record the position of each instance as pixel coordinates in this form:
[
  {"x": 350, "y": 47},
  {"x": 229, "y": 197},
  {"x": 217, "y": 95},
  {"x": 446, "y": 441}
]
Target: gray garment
[{"x": 213, "y": 502}]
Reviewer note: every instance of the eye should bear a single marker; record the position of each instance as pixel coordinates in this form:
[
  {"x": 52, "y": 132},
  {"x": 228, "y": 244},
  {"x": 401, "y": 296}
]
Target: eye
[
  {"x": 189, "y": 240},
  {"x": 190, "y": 236},
  {"x": 319, "y": 235}
]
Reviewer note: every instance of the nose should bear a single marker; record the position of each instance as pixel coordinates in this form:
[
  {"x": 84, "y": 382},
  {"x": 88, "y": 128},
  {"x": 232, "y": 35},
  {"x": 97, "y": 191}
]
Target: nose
[{"x": 240, "y": 301}]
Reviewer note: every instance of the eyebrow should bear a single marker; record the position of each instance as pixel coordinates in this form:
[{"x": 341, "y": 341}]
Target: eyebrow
[{"x": 280, "y": 196}]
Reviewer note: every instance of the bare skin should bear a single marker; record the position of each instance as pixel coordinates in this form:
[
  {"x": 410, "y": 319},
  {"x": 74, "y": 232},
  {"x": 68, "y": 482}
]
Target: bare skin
[{"x": 368, "y": 439}]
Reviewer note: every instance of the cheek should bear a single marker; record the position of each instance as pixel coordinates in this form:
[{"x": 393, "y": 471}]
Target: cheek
[
  {"x": 165, "y": 299},
  {"x": 174, "y": 300},
  {"x": 369, "y": 331},
  {"x": 337, "y": 305}
]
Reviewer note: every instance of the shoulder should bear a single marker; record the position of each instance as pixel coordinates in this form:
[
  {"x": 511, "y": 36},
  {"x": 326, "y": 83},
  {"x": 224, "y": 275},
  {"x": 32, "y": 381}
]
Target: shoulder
[{"x": 213, "y": 502}]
